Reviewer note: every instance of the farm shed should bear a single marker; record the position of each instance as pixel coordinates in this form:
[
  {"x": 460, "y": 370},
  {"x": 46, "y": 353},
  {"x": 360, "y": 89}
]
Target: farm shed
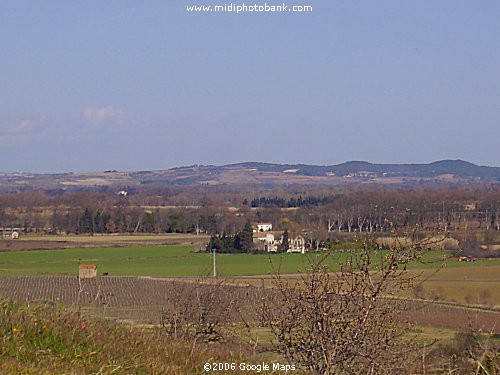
[{"x": 87, "y": 271}]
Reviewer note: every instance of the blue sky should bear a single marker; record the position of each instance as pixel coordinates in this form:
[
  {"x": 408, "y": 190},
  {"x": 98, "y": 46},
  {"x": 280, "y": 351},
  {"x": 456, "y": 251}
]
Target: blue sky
[{"x": 96, "y": 85}]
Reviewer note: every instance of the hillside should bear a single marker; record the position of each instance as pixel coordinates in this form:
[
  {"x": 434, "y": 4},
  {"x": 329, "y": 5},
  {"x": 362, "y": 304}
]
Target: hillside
[
  {"x": 458, "y": 168},
  {"x": 444, "y": 171}
]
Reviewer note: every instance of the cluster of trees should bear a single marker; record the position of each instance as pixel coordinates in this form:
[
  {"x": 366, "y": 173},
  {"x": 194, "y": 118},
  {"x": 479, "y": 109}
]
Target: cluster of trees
[
  {"x": 90, "y": 220},
  {"x": 240, "y": 242},
  {"x": 286, "y": 203},
  {"x": 94, "y": 222}
]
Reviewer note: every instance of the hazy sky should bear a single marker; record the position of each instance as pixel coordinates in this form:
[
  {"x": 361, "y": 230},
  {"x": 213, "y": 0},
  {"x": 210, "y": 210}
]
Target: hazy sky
[{"x": 127, "y": 85}]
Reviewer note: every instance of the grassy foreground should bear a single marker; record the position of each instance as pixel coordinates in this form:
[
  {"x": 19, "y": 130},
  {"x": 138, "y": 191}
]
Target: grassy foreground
[
  {"x": 44, "y": 340},
  {"x": 177, "y": 261}
]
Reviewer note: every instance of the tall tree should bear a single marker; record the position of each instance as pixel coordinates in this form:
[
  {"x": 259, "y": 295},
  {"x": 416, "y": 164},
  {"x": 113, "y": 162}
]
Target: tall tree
[
  {"x": 246, "y": 238},
  {"x": 86, "y": 222},
  {"x": 284, "y": 242}
]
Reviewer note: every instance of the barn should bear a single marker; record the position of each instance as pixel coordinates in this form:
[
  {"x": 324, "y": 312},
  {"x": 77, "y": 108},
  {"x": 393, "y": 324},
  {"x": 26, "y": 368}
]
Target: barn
[{"x": 87, "y": 271}]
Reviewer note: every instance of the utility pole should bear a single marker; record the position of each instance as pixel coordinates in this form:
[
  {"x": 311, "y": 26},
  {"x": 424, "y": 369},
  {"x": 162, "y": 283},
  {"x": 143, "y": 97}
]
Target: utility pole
[{"x": 215, "y": 269}]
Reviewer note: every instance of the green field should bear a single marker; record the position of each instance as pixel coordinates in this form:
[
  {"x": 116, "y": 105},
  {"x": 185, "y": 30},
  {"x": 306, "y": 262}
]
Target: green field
[{"x": 173, "y": 261}]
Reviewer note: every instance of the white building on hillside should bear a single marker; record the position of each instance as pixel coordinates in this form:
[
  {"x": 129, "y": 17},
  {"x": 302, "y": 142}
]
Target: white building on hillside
[{"x": 263, "y": 227}]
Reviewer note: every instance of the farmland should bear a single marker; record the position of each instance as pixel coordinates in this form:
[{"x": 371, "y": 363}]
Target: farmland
[
  {"x": 148, "y": 284},
  {"x": 476, "y": 283},
  {"x": 44, "y": 242},
  {"x": 143, "y": 300},
  {"x": 180, "y": 261}
]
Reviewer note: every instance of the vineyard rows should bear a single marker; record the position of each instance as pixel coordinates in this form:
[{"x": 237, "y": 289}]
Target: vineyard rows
[{"x": 144, "y": 299}]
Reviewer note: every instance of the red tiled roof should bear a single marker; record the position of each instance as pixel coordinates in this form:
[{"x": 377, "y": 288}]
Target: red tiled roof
[{"x": 88, "y": 266}]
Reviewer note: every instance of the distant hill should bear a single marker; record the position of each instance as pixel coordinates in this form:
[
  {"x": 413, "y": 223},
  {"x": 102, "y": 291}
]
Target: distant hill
[
  {"x": 458, "y": 168},
  {"x": 257, "y": 173}
]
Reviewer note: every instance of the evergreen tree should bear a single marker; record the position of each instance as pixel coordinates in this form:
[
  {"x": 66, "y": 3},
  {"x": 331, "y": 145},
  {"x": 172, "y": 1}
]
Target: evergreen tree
[
  {"x": 237, "y": 243},
  {"x": 86, "y": 222},
  {"x": 246, "y": 238},
  {"x": 215, "y": 243},
  {"x": 227, "y": 243},
  {"x": 284, "y": 243}
]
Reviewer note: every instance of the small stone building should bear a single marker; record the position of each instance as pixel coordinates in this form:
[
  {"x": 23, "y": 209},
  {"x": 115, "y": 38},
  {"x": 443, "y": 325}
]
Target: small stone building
[{"x": 87, "y": 271}]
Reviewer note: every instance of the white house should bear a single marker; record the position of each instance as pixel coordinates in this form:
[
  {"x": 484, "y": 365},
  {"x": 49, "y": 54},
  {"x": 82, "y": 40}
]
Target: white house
[
  {"x": 266, "y": 242},
  {"x": 271, "y": 242},
  {"x": 296, "y": 244},
  {"x": 263, "y": 227}
]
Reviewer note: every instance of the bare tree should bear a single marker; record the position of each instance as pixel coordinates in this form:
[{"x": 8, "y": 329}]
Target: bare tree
[
  {"x": 345, "y": 322},
  {"x": 198, "y": 309}
]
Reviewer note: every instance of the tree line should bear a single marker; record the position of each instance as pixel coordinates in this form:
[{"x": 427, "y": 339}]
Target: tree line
[{"x": 217, "y": 211}]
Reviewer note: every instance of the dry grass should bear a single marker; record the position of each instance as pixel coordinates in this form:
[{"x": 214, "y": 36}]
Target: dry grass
[{"x": 40, "y": 339}]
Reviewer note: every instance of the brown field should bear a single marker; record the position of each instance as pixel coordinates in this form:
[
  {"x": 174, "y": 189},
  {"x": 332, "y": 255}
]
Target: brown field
[
  {"x": 116, "y": 237},
  {"x": 47, "y": 242},
  {"x": 142, "y": 299},
  {"x": 435, "y": 314},
  {"x": 471, "y": 285}
]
